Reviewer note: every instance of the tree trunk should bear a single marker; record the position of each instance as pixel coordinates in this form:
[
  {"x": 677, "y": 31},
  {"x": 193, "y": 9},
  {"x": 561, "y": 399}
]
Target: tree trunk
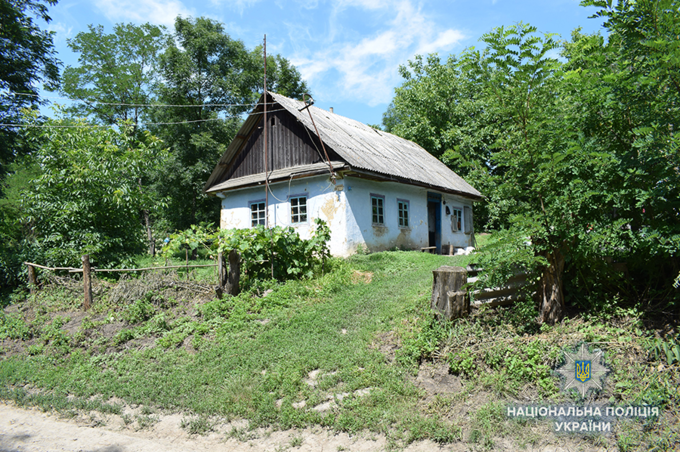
[
  {"x": 149, "y": 234},
  {"x": 550, "y": 289}
]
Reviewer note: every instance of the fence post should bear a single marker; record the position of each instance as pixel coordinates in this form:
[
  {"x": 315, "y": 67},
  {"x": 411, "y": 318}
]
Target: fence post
[
  {"x": 87, "y": 281},
  {"x": 32, "y": 279},
  {"x": 221, "y": 270},
  {"x": 232, "y": 283}
]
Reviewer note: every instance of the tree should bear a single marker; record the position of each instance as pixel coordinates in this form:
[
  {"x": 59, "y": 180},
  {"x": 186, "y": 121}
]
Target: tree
[
  {"x": 87, "y": 199},
  {"x": 214, "y": 79},
  {"x": 440, "y": 107},
  {"x": 117, "y": 68},
  {"x": 26, "y": 57}
]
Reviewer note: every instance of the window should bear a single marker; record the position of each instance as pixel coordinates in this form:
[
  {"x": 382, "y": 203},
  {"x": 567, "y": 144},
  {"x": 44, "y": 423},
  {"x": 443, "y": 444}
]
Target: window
[
  {"x": 377, "y": 206},
  {"x": 257, "y": 213},
  {"x": 298, "y": 209},
  {"x": 402, "y": 207},
  {"x": 456, "y": 219}
]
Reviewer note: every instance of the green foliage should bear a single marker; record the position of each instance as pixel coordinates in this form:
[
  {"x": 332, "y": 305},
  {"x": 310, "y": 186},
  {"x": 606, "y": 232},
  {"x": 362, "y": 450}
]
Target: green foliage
[
  {"x": 27, "y": 57},
  {"x": 88, "y": 199},
  {"x": 138, "y": 312},
  {"x": 421, "y": 345},
  {"x": 293, "y": 257},
  {"x": 668, "y": 349},
  {"x": 200, "y": 425},
  {"x": 203, "y": 66},
  {"x": 116, "y": 68},
  {"x": 13, "y": 326}
]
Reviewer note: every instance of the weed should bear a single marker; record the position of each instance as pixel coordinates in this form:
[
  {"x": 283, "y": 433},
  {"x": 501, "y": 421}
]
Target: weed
[
  {"x": 138, "y": 312},
  {"x": 296, "y": 441},
  {"x": 13, "y": 326},
  {"x": 197, "y": 426}
]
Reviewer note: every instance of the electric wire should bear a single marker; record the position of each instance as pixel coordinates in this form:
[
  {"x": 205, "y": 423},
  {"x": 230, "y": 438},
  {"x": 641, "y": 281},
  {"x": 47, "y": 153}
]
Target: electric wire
[
  {"x": 81, "y": 126},
  {"x": 122, "y": 104}
]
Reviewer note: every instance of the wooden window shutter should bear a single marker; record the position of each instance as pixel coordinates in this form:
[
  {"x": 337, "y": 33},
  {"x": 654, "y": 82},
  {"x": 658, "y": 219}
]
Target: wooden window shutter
[{"x": 467, "y": 219}]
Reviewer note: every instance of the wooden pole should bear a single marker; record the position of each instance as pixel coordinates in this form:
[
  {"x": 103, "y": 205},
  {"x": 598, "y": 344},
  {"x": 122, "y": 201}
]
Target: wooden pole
[
  {"x": 87, "y": 281},
  {"x": 32, "y": 279},
  {"x": 186, "y": 255},
  {"x": 232, "y": 283},
  {"x": 221, "y": 273}
]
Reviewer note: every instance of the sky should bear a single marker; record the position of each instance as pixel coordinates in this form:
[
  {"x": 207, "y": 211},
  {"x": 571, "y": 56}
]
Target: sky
[{"x": 348, "y": 51}]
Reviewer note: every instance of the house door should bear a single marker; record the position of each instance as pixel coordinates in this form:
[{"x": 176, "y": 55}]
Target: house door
[{"x": 434, "y": 221}]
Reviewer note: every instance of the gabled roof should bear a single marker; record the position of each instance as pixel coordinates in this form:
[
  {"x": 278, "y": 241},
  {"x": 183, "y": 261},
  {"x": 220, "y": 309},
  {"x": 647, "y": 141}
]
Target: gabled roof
[{"x": 361, "y": 146}]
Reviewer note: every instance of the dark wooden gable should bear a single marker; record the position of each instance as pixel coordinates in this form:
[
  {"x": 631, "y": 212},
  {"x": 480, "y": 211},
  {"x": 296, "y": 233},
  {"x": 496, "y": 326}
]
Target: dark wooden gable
[{"x": 289, "y": 145}]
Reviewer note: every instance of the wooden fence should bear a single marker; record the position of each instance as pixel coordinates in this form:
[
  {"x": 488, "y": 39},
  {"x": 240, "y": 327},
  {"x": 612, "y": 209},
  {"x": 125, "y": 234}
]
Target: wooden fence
[
  {"x": 228, "y": 274},
  {"x": 496, "y": 296},
  {"x": 452, "y": 298}
]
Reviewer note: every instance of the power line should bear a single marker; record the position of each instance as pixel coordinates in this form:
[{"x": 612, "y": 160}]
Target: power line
[
  {"x": 122, "y": 104},
  {"x": 83, "y": 126}
]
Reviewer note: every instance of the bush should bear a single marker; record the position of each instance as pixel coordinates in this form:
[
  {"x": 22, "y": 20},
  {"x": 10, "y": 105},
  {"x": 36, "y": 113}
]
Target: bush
[{"x": 293, "y": 256}]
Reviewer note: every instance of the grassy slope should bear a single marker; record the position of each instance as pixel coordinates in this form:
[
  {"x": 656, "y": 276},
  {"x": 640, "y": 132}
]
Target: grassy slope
[
  {"x": 249, "y": 357},
  {"x": 244, "y": 366}
]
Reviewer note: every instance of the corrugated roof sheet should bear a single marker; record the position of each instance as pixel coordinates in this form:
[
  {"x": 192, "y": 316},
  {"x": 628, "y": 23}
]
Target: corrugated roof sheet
[
  {"x": 284, "y": 173},
  {"x": 362, "y": 147}
]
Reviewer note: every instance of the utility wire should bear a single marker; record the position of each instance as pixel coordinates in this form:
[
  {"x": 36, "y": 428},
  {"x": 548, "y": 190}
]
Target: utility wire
[
  {"x": 121, "y": 104},
  {"x": 82, "y": 126}
]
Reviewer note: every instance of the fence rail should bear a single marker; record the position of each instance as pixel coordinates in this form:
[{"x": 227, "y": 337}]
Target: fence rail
[
  {"x": 497, "y": 296},
  {"x": 228, "y": 274}
]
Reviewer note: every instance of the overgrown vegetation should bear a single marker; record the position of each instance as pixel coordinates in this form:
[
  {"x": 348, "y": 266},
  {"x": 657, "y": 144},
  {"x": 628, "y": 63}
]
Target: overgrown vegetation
[{"x": 354, "y": 344}]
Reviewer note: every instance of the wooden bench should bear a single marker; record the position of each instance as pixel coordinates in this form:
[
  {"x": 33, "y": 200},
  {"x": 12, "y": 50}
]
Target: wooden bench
[{"x": 429, "y": 249}]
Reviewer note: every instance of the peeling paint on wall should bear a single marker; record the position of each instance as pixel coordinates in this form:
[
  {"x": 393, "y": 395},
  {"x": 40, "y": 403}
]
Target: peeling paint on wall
[
  {"x": 348, "y": 213},
  {"x": 329, "y": 208}
]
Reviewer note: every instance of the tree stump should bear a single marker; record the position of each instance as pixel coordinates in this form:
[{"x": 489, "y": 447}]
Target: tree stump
[{"x": 449, "y": 300}]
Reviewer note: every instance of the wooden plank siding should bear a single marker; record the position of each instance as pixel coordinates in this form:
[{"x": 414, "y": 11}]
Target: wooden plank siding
[{"x": 289, "y": 146}]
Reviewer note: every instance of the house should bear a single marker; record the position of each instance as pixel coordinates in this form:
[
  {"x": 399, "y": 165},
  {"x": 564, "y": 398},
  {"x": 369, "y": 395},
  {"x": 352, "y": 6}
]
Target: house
[{"x": 376, "y": 191}]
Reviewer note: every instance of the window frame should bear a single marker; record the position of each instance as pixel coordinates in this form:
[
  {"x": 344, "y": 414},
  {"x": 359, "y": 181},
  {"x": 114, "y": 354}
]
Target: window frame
[
  {"x": 380, "y": 216},
  {"x": 407, "y": 219},
  {"x": 264, "y": 211},
  {"x": 290, "y": 205},
  {"x": 455, "y": 209}
]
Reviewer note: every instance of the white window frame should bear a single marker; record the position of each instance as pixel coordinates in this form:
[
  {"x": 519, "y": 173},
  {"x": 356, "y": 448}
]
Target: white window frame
[
  {"x": 403, "y": 206},
  {"x": 457, "y": 213},
  {"x": 379, "y": 215},
  {"x": 299, "y": 214},
  {"x": 261, "y": 217}
]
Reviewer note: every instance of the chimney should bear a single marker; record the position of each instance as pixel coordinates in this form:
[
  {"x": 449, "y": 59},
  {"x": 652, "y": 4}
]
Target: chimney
[{"x": 331, "y": 109}]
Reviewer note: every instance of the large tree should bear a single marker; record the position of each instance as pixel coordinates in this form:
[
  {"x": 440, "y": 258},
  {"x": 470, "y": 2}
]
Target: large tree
[
  {"x": 117, "y": 68},
  {"x": 211, "y": 79},
  {"x": 87, "y": 198},
  {"x": 27, "y": 57}
]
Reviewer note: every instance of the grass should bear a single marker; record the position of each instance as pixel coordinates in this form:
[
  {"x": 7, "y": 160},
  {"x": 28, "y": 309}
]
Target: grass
[{"x": 251, "y": 357}]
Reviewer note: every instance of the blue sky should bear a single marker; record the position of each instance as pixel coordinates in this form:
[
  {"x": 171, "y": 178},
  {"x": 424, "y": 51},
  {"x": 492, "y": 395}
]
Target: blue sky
[{"x": 349, "y": 51}]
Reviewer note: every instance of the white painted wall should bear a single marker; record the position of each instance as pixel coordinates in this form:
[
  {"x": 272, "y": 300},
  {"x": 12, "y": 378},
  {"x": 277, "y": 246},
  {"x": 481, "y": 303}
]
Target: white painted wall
[
  {"x": 346, "y": 207},
  {"x": 360, "y": 228},
  {"x": 323, "y": 201}
]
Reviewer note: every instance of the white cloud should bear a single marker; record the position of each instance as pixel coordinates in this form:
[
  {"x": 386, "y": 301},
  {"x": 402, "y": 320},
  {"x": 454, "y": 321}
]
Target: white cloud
[
  {"x": 364, "y": 68},
  {"x": 159, "y": 12},
  {"x": 62, "y": 31}
]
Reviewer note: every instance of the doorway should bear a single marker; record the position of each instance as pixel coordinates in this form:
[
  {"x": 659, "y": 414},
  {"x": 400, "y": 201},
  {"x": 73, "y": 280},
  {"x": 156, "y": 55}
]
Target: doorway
[{"x": 434, "y": 223}]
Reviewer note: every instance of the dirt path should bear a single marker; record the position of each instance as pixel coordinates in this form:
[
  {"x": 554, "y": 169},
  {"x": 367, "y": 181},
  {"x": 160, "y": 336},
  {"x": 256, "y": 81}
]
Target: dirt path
[
  {"x": 35, "y": 431},
  {"x": 23, "y": 430}
]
